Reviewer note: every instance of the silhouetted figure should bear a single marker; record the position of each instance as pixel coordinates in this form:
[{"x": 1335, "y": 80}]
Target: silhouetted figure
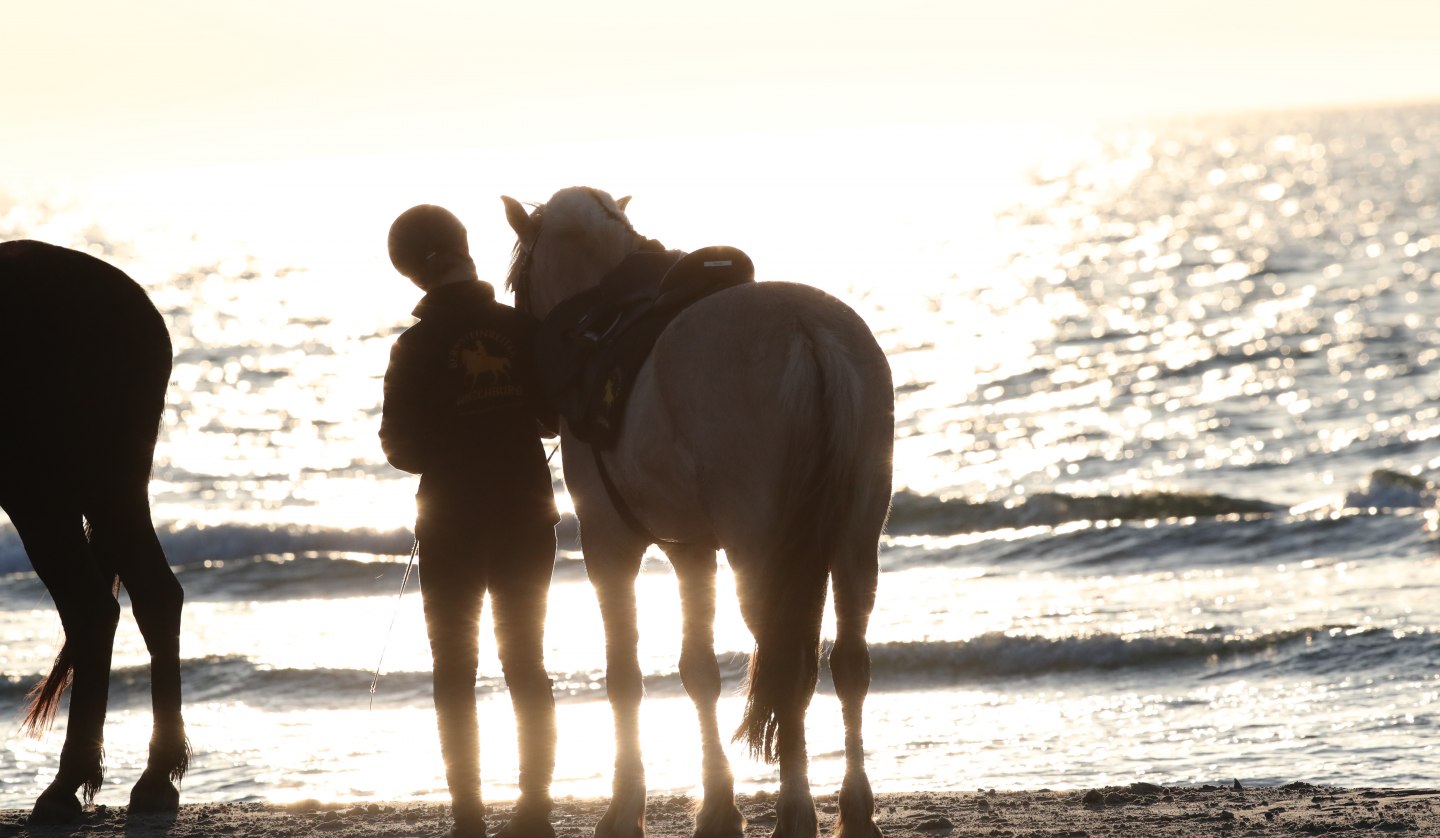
[
  {"x": 84, "y": 363},
  {"x": 459, "y": 412}
]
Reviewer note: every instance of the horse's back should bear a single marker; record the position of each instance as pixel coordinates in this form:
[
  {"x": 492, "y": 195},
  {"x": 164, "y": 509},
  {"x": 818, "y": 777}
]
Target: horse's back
[
  {"x": 756, "y": 385},
  {"x": 771, "y": 341},
  {"x": 51, "y": 284},
  {"x": 84, "y": 358}
]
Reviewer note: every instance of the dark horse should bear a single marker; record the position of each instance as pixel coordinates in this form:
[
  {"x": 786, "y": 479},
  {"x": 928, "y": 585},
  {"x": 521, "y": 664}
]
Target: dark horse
[{"x": 84, "y": 363}]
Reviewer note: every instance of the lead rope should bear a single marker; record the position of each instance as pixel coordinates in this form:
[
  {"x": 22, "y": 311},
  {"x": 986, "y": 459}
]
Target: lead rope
[{"x": 404, "y": 581}]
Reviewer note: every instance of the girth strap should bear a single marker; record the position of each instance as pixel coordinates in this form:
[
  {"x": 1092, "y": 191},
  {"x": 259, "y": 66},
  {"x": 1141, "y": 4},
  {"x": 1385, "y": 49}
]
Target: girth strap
[{"x": 617, "y": 500}]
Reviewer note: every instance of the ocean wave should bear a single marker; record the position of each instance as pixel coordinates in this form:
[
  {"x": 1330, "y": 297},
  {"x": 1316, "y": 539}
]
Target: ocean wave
[
  {"x": 1388, "y": 489},
  {"x": 1330, "y": 532},
  {"x": 188, "y": 544},
  {"x": 914, "y": 514},
  {"x": 1323, "y": 651},
  {"x": 911, "y": 514},
  {"x": 1187, "y": 545},
  {"x": 1086, "y": 548},
  {"x": 1189, "y": 525},
  {"x": 195, "y": 544},
  {"x": 277, "y": 579}
]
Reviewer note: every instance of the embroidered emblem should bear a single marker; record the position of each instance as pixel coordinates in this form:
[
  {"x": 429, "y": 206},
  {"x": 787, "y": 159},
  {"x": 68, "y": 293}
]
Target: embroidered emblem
[
  {"x": 483, "y": 354},
  {"x": 487, "y": 360}
]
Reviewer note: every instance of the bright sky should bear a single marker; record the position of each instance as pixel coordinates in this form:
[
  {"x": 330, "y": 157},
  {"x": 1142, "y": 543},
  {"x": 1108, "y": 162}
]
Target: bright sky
[{"x": 89, "y": 84}]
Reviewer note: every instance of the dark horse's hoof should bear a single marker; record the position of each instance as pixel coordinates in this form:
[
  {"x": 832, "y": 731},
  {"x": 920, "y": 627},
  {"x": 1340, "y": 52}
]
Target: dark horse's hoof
[
  {"x": 57, "y": 808},
  {"x": 154, "y": 795}
]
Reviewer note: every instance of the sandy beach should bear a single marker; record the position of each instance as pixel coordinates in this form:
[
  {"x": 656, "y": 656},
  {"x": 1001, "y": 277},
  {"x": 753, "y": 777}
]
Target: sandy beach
[{"x": 1140, "y": 810}]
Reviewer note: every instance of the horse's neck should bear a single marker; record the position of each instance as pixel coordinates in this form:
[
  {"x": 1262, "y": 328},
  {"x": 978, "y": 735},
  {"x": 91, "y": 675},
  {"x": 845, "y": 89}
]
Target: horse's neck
[{"x": 567, "y": 271}]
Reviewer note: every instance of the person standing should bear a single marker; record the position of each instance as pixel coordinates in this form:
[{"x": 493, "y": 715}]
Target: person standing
[{"x": 460, "y": 410}]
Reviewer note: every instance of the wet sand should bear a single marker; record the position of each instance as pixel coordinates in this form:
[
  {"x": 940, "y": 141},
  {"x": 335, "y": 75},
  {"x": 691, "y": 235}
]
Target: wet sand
[{"x": 1137, "y": 811}]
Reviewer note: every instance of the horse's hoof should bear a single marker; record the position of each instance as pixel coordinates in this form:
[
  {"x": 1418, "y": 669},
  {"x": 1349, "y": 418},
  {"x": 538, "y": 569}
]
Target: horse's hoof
[
  {"x": 719, "y": 822},
  {"x": 154, "y": 796},
  {"x": 469, "y": 830},
  {"x": 527, "y": 826},
  {"x": 860, "y": 830},
  {"x": 797, "y": 824},
  {"x": 735, "y": 829},
  {"x": 613, "y": 826},
  {"x": 57, "y": 808}
]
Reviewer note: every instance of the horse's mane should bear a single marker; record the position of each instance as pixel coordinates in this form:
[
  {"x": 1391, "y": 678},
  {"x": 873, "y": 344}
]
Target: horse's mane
[{"x": 520, "y": 256}]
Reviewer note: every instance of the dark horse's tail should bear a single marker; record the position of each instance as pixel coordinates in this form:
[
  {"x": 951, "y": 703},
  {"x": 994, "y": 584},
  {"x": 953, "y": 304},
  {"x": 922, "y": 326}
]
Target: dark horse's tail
[
  {"x": 42, "y": 703},
  {"x": 836, "y": 498},
  {"x": 43, "y": 700}
]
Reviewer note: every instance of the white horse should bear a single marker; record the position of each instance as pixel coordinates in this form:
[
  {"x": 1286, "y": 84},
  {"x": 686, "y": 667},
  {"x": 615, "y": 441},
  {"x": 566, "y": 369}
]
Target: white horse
[{"x": 761, "y": 423}]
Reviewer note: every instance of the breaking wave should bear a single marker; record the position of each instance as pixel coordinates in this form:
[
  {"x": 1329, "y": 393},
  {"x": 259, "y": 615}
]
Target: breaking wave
[{"x": 1314, "y": 651}]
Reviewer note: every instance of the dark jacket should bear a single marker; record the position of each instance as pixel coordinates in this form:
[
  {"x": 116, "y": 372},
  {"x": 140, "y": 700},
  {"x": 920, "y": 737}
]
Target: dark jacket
[{"x": 460, "y": 409}]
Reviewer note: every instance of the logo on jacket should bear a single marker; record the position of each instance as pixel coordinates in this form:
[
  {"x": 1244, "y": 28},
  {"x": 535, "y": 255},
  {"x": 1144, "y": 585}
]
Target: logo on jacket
[
  {"x": 479, "y": 360},
  {"x": 487, "y": 359}
]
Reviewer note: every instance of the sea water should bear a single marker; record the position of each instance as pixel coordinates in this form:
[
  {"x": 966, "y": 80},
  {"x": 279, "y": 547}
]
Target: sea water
[{"x": 1168, "y": 438}]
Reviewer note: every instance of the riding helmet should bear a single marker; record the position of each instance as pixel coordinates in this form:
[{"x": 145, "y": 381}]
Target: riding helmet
[{"x": 420, "y": 234}]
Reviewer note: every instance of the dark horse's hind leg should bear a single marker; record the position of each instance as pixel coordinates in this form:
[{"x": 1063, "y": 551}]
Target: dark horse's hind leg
[
  {"x": 51, "y": 528},
  {"x": 124, "y": 537}
]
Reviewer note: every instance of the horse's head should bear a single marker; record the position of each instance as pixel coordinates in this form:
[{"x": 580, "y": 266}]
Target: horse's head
[{"x": 566, "y": 245}]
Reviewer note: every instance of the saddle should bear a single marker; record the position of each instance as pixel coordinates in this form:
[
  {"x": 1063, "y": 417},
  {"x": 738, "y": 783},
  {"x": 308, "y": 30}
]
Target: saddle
[{"x": 590, "y": 347}]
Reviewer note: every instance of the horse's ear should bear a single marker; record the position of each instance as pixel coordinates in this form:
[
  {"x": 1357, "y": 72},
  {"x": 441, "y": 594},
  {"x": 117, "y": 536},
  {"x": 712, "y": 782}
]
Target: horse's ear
[
  {"x": 519, "y": 219},
  {"x": 621, "y": 202}
]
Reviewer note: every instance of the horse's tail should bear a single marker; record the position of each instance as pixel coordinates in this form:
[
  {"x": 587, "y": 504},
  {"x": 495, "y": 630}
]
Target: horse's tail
[
  {"x": 838, "y": 487},
  {"x": 43, "y": 700},
  {"x": 42, "y": 703}
]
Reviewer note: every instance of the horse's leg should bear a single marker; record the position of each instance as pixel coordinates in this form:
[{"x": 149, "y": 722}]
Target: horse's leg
[
  {"x": 50, "y": 527},
  {"x": 854, "y": 585},
  {"x": 613, "y": 577},
  {"x": 795, "y": 807},
  {"x": 784, "y": 615},
  {"x": 518, "y": 592},
  {"x": 695, "y": 569},
  {"x": 123, "y": 536},
  {"x": 453, "y": 600}
]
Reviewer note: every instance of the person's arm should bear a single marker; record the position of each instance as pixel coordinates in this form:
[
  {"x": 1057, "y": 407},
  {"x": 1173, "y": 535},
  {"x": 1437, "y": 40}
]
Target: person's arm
[{"x": 408, "y": 415}]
